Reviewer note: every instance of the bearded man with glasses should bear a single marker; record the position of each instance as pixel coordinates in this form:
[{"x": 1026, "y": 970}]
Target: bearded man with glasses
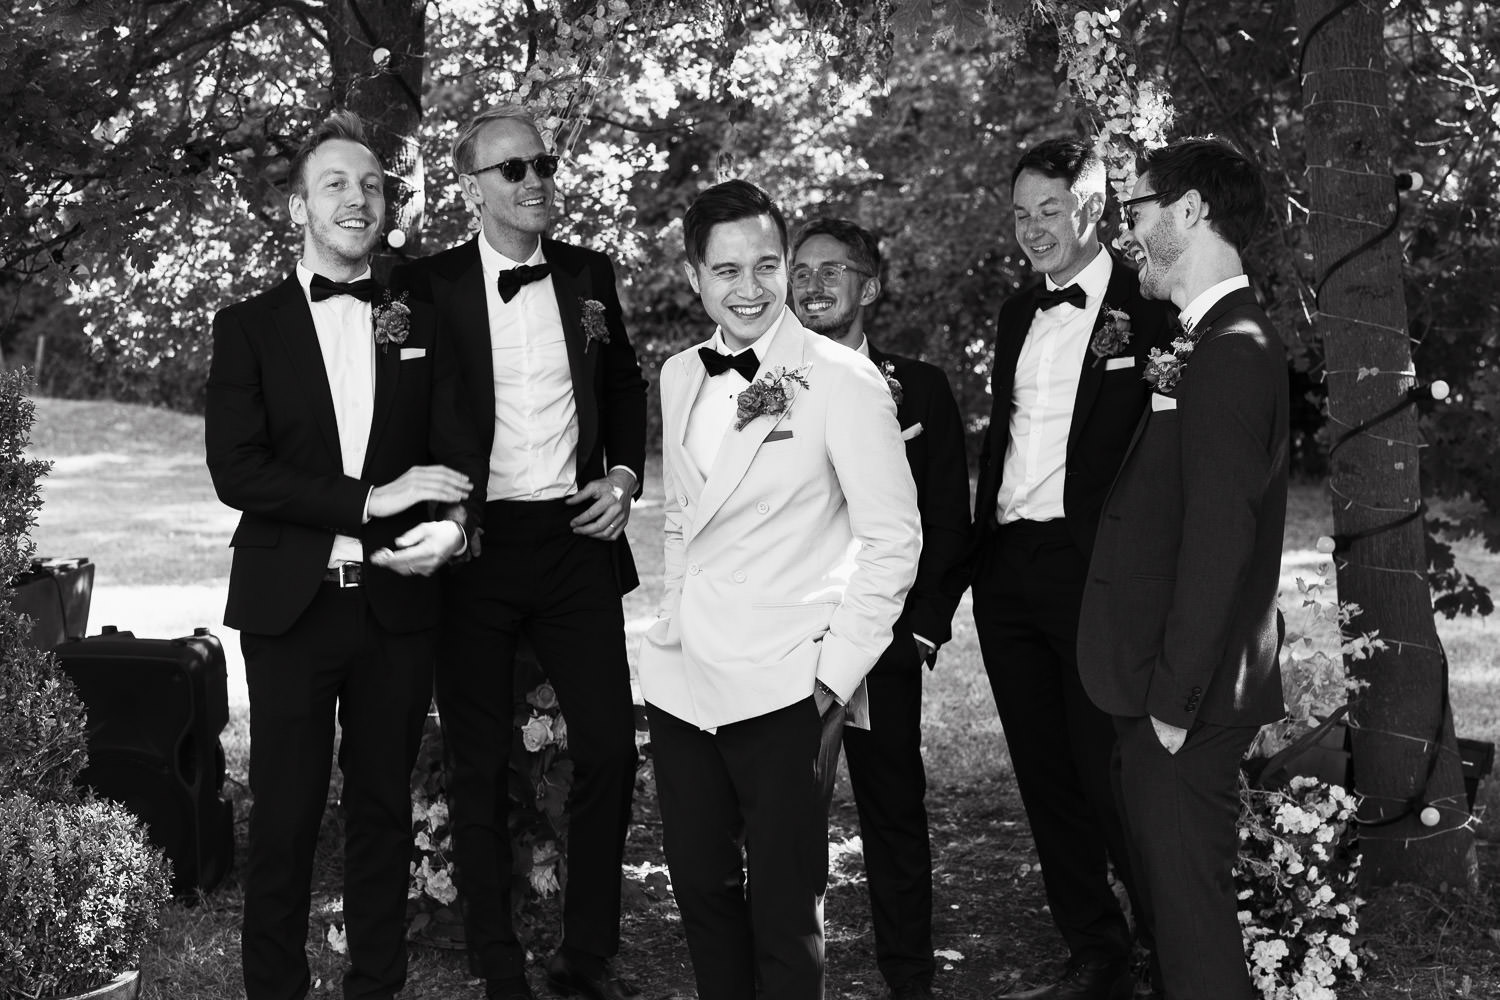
[
  {"x": 553, "y": 388},
  {"x": 835, "y": 279}
]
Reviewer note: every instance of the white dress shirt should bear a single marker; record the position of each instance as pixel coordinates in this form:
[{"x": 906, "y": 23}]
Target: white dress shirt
[
  {"x": 718, "y": 398},
  {"x": 535, "y": 451},
  {"x": 1208, "y": 298},
  {"x": 1046, "y": 386},
  {"x": 346, "y": 338}
]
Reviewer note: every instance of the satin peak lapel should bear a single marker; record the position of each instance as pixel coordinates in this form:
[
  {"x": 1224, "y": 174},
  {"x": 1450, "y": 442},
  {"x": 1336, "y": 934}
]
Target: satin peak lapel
[
  {"x": 387, "y": 377},
  {"x": 569, "y": 287},
  {"x": 739, "y": 446},
  {"x": 294, "y": 324},
  {"x": 686, "y": 389}
]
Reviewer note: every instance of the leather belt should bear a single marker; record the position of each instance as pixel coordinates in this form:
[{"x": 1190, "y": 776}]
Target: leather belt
[{"x": 344, "y": 575}]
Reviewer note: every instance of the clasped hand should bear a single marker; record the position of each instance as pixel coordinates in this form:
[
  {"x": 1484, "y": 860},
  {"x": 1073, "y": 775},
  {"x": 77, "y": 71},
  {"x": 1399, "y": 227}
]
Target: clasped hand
[
  {"x": 425, "y": 547},
  {"x": 609, "y": 506}
]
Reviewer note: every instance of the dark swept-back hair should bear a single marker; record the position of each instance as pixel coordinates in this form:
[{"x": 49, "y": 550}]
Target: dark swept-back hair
[
  {"x": 864, "y": 249},
  {"x": 341, "y": 124},
  {"x": 1068, "y": 158},
  {"x": 1229, "y": 184},
  {"x": 730, "y": 201}
]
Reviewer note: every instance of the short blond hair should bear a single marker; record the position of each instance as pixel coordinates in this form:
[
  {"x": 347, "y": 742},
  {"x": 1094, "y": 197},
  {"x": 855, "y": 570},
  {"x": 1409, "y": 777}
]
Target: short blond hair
[{"x": 468, "y": 136}]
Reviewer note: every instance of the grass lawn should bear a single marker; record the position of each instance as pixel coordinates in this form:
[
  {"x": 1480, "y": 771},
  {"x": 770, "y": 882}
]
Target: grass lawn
[{"x": 130, "y": 491}]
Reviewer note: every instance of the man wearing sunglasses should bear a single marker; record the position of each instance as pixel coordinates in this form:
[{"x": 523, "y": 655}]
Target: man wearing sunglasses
[
  {"x": 835, "y": 278},
  {"x": 1067, "y": 392},
  {"x": 1179, "y": 634},
  {"x": 552, "y": 385}
]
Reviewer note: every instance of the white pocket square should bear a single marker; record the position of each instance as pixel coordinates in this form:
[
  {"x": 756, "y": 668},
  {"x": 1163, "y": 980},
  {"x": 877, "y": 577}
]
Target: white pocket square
[
  {"x": 1160, "y": 402},
  {"x": 912, "y": 431},
  {"x": 1112, "y": 364},
  {"x": 407, "y": 353}
]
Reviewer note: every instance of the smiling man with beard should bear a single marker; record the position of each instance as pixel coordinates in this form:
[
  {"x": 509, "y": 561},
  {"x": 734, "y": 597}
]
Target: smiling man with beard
[
  {"x": 1180, "y": 633},
  {"x": 331, "y": 585},
  {"x": 1067, "y": 392},
  {"x": 553, "y": 391},
  {"x": 835, "y": 278},
  {"x": 792, "y": 535}
]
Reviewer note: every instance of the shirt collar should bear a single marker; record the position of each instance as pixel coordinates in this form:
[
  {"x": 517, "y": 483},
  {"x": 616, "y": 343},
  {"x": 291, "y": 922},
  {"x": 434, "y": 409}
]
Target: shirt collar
[
  {"x": 1094, "y": 278},
  {"x": 762, "y": 346},
  {"x": 305, "y": 276},
  {"x": 864, "y": 345},
  {"x": 1208, "y": 298},
  {"x": 494, "y": 261}
]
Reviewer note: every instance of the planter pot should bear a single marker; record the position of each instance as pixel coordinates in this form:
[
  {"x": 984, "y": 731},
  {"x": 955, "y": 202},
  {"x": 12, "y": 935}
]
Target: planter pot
[{"x": 125, "y": 986}]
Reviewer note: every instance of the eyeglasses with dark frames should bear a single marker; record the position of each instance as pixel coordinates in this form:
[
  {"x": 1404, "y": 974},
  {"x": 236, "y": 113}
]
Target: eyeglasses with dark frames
[
  {"x": 514, "y": 169},
  {"x": 1128, "y": 211},
  {"x": 827, "y": 274}
]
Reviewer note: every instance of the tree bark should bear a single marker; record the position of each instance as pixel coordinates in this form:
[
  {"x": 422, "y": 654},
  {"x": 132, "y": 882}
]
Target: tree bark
[
  {"x": 1405, "y": 755},
  {"x": 387, "y": 96}
]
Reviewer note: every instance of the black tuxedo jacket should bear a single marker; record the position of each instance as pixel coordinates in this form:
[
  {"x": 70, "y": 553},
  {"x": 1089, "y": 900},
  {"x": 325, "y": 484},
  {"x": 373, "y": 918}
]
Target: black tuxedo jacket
[
  {"x": 608, "y": 391},
  {"x": 1179, "y": 612},
  {"x": 273, "y": 453},
  {"x": 934, "y": 435},
  {"x": 1105, "y": 411}
]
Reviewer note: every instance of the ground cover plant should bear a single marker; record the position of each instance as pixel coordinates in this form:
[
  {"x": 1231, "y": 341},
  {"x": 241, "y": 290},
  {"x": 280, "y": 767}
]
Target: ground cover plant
[{"x": 131, "y": 491}]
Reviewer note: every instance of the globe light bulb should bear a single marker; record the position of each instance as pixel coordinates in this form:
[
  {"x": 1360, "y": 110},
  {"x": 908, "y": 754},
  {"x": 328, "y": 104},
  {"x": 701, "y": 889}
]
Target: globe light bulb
[
  {"x": 1326, "y": 545},
  {"x": 380, "y": 56},
  {"x": 395, "y": 239},
  {"x": 1430, "y": 816}
]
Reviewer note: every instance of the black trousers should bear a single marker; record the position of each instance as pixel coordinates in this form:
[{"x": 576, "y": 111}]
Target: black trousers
[
  {"x": 1027, "y": 597},
  {"x": 535, "y": 574},
  {"x": 336, "y": 661},
  {"x": 889, "y": 782},
  {"x": 749, "y": 787},
  {"x": 1181, "y": 816}
]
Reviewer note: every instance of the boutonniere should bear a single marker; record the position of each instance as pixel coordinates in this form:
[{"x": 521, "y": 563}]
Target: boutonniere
[
  {"x": 392, "y": 321},
  {"x": 768, "y": 395},
  {"x": 888, "y": 369},
  {"x": 594, "y": 327},
  {"x": 1113, "y": 334},
  {"x": 1164, "y": 368}
]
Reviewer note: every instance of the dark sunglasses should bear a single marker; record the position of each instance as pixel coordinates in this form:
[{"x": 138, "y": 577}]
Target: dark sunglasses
[
  {"x": 514, "y": 169},
  {"x": 1128, "y": 211}
]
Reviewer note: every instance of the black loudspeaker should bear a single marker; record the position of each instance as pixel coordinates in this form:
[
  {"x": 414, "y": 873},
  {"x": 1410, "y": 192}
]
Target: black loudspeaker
[{"x": 156, "y": 709}]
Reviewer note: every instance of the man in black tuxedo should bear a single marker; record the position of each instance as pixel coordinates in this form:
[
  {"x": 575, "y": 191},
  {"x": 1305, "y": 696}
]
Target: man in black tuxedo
[
  {"x": 553, "y": 390},
  {"x": 314, "y": 397},
  {"x": 835, "y": 276},
  {"x": 1067, "y": 391},
  {"x": 1180, "y": 632}
]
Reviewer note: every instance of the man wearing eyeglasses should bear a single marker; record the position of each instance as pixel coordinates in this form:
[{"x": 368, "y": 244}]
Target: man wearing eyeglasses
[
  {"x": 1067, "y": 393},
  {"x": 1179, "y": 633},
  {"x": 552, "y": 385},
  {"x": 835, "y": 278}
]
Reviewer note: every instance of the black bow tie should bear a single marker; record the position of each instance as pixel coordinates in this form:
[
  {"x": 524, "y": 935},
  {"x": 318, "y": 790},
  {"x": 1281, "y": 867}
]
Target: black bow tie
[
  {"x": 1074, "y": 296},
  {"x": 745, "y": 362},
  {"x": 512, "y": 280},
  {"x": 365, "y": 289}
]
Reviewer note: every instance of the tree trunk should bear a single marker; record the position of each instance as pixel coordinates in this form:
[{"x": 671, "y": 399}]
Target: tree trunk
[
  {"x": 388, "y": 96},
  {"x": 1403, "y": 725}
]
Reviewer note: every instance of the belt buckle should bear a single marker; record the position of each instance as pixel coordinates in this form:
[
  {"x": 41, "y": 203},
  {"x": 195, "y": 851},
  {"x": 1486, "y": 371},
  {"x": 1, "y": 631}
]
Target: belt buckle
[{"x": 348, "y": 575}]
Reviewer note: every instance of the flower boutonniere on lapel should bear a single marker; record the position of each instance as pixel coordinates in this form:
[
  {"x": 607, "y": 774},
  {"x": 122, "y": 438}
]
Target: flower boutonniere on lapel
[
  {"x": 1113, "y": 334},
  {"x": 769, "y": 395},
  {"x": 594, "y": 326},
  {"x": 888, "y": 369},
  {"x": 392, "y": 321},
  {"x": 1164, "y": 368}
]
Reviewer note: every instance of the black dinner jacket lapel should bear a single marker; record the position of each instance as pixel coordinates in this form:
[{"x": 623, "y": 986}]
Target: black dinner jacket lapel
[
  {"x": 1118, "y": 294},
  {"x": 387, "y": 378},
  {"x": 292, "y": 319},
  {"x": 571, "y": 285}
]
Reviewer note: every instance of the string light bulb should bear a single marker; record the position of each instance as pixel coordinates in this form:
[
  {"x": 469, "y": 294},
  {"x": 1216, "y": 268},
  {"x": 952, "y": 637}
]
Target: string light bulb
[
  {"x": 395, "y": 239},
  {"x": 1430, "y": 816},
  {"x": 380, "y": 56}
]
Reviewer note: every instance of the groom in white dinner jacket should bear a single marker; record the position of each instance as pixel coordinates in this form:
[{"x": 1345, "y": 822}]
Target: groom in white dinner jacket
[{"x": 792, "y": 536}]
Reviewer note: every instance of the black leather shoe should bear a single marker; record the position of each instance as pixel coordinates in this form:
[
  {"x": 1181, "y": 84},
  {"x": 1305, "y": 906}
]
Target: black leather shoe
[
  {"x": 566, "y": 981},
  {"x": 1084, "y": 981},
  {"x": 508, "y": 988}
]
